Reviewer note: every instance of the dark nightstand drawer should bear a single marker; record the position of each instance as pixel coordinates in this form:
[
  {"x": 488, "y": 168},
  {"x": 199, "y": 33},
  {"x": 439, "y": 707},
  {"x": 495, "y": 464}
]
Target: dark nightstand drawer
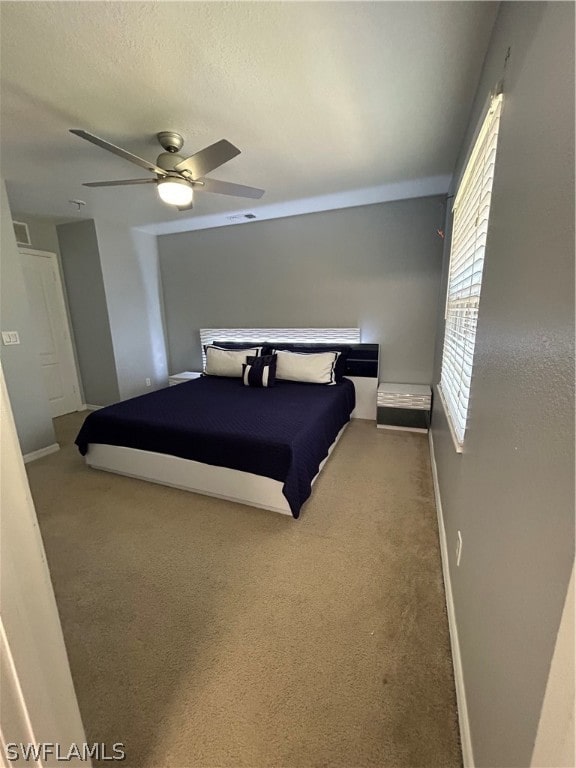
[{"x": 404, "y": 418}]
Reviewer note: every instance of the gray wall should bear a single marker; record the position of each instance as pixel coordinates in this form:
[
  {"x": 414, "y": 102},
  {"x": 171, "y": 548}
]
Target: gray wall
[
  {"x": 42, "y": 231},
  {"x": 375, "y": 267},
  {"x": 20, "y": 363},
  {"x": 80, "y": 259},
  {"x": 511, "y": 492}
]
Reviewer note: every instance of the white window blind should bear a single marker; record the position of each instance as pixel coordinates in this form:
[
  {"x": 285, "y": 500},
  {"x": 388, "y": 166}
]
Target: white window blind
[{"x": 470, "y": 227}]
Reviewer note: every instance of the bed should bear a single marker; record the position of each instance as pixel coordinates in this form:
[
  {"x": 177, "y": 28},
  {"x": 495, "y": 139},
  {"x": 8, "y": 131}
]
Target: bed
[{"x": 212, "y": 435}]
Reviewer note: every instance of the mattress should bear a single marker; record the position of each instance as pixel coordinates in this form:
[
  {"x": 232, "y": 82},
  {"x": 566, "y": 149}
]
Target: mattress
[{"x": 283, "y": 432}]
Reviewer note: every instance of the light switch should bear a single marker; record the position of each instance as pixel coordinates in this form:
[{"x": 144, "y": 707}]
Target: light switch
[{"x": 10, "y": 337}]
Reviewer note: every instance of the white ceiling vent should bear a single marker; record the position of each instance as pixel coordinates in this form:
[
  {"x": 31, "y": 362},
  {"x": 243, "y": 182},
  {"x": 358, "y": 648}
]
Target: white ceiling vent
[
  {"x": 241, "y": 217},
  {"x": 22, "y": 233}
]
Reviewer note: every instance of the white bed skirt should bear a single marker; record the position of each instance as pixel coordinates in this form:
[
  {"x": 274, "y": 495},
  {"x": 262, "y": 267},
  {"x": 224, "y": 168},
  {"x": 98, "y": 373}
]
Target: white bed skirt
[{"x": 188, "y": 475}]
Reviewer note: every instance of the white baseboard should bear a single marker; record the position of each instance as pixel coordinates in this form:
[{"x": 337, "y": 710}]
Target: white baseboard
[
  {"x": 88, "y": 407},
  {"x": 465, "y": 736},
  {"x": 401, "y": 429},
  {"x": 40, "y": 452}
]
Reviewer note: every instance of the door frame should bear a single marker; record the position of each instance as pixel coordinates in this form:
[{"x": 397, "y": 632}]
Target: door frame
[
  {"x": 63, "y": 307},
  {"x": 37, "y": 687}
]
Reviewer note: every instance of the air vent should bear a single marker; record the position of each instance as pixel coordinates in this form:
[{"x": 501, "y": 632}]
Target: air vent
[
  {"x": 241, "y": 217},
  {"x": 22, "y": 233}
]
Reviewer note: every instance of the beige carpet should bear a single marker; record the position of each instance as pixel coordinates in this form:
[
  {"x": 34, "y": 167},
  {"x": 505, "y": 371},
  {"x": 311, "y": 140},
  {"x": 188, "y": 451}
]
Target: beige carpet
[{"x": 203, "y": 633}]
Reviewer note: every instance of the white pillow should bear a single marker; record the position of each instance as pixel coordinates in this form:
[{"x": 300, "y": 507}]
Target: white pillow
[
  {"x": 227, "y": 362},
  {"x": 311, "y": 367}
]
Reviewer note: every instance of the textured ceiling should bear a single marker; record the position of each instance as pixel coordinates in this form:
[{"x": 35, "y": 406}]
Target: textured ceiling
[{"x": 322, "y": 98}]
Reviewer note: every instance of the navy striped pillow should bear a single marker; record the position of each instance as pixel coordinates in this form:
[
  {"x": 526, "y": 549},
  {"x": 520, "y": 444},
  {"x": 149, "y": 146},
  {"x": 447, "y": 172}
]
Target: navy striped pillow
[{"x": 259, "y": 371}]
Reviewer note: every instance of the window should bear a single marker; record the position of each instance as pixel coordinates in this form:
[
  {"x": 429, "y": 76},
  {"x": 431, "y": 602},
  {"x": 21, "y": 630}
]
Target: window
[{"x": 470, "y": 227}]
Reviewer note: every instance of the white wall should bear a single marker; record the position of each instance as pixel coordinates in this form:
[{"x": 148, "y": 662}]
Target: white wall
[
  {"x": 554, "y": 746},
  {"x": 130, "y": 273},
  {"x": 147, "y": 250}
]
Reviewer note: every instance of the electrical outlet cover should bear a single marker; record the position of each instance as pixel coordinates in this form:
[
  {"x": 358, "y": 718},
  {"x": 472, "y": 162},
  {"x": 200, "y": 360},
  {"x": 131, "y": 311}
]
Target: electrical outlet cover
[{"x": 458, "y": 548}]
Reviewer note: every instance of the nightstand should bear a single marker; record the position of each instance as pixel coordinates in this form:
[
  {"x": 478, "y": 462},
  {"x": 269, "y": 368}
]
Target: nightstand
[
  {"x": 404, "y": 406},
  {"x": 180, "y": 378}
]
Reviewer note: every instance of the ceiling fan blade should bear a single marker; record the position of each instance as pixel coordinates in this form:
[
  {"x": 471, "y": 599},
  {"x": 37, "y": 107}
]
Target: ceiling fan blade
[
  {"x": 117, "y": 151},
  {"x": 204, "y": 161},
  {"x": 226, "y": 188},
  {"x": 119, "y": 183}
]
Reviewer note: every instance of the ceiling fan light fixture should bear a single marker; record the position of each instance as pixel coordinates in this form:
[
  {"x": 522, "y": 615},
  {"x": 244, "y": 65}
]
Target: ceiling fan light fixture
[
  {"x": 175, "y": 176},
  {"x": 175, "y": 191}
]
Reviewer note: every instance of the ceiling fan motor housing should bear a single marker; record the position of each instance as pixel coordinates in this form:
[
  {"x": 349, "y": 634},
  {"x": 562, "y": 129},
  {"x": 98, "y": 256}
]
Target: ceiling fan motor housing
[
  {"x": 167, "y": 160},
  {"x": 170, "y": 140}
]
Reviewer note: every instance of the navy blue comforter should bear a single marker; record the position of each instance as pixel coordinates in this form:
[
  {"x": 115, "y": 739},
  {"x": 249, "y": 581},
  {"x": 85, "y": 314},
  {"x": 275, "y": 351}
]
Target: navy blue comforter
[{"x": 283, "y": 432}]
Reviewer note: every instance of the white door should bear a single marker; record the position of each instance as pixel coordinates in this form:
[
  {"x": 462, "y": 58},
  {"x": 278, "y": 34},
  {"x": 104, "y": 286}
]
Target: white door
[{"x": 53, "y": 341}]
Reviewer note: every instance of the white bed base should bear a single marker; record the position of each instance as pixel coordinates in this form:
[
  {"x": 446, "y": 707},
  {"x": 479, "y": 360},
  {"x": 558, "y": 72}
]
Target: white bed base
[
  {"x": 188, "y": 475},
  {"x": 366, "y": 392}
]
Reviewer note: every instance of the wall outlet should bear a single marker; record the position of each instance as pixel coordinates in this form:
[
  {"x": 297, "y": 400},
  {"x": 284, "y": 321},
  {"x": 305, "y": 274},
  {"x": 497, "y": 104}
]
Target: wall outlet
[
  {"x": 148, "y": 382},
  {"x": 458, "y": 548}
]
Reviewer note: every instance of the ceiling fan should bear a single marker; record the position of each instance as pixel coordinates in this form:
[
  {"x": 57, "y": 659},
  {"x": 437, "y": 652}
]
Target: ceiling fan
[{"x": 176, "y": 176}]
